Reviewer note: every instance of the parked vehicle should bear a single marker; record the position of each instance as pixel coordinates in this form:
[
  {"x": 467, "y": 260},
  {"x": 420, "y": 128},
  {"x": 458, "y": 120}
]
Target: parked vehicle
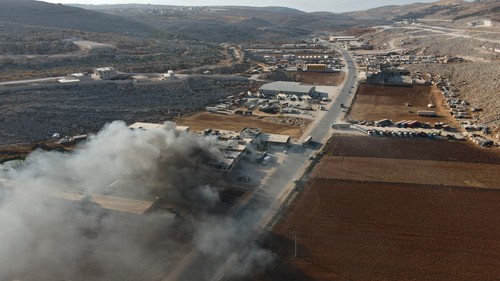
[{"x": 307, "y": 140}]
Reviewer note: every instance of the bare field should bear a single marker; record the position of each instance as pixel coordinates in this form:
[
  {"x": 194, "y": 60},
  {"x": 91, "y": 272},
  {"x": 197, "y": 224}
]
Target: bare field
[
  {"x": 411, "y": 171},
  {"x": 386, "y": 209},
  {"x": 412, "y": 149},
  {"x": 348, "y": 230},
  {"x": 206, "y": 120},
  {"x": 411, "y": 161},
  {"x": 320, "y": 78},
  {"x": 375, "y": 102}
]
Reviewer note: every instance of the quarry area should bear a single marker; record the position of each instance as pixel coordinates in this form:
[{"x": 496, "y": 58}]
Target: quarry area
[{"x": 243, "y": 143}]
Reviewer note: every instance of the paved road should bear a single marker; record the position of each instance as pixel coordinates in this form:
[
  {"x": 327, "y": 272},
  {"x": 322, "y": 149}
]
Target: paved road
[
  {"x": 31, "y": 81},
  {"x": 266, "y": 200},
  {"x": 52, "y": 82},
  {"x": 450, "y": 32}
]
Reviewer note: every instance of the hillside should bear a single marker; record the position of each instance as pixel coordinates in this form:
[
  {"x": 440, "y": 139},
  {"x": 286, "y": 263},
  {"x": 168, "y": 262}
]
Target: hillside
[
  {"x": 37, "y": 41},
  {"x": 42, "y": 14},
  {"x": 442, "y": 10},
  {"x": 447, "y": 28},
  {"x": 233, "y": 23}
]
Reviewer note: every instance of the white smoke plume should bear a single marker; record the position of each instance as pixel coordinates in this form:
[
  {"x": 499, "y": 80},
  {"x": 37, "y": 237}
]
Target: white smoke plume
[{"x": 42, "y": 238}]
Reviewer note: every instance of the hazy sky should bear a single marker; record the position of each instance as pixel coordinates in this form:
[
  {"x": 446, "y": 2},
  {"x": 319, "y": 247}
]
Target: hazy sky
[{"x": 336, "y": 6}]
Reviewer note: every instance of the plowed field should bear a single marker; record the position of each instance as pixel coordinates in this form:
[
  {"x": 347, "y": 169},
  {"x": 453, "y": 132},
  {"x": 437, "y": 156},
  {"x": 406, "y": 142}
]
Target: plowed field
[
  {"x": 368, "y": 213},
  {"x": 323, "y": 79},
  {"x": 348, "y": 230},
  {"x": 375, "y": 102}
]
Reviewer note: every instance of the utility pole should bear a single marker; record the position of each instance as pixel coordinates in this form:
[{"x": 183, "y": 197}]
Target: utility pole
[
  {"x": 295, "y": 244},
  {"x": 341, "y": 160}
]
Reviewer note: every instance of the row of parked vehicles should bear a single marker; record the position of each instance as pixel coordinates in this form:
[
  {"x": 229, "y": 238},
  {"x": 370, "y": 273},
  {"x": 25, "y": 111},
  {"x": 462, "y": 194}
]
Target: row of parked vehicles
[{"x": 403, "y": 134}]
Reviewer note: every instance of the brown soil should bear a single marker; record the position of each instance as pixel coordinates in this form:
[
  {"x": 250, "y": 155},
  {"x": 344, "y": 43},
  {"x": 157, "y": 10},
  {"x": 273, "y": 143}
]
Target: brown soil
[
  {"x": 447, "y": 173},
  {"x": 413, "y": 149},
  {"x": 206, "y": 120},
  {"x": 349, "y": 230},
  {"x": 353, "y": 227},
  {"x": 319, "y": 78},
  {"x": 375, "y": 102},
  {"x": 410, "y": 161},
  {"x": 21, "y": 151}
]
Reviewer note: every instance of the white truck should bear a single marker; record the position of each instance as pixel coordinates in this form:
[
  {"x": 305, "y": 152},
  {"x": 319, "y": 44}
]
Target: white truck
[{"x": 307, "y": 140}]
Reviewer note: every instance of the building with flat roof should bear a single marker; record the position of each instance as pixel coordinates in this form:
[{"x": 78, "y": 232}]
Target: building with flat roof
[
  {"x": 140, "y": 78},
  {"x": 290, "y": 88},
  {"x": 105, "y": 202},
  {"x": 315, "y": 66},
  {"x": 250, "y": 133},
  {"x": 342, "y": 38},
  {"x": 104, "y": 73},
  {"x": 92, "y": 46},
  {"x": 267, "y": 141},
  {"x": 232, "y": 147},
  {"x": 151, "y": 126}
]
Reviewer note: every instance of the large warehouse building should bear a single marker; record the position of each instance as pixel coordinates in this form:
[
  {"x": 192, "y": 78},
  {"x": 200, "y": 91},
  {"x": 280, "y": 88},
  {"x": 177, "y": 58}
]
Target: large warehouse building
[{"x": 289, "y": 88}]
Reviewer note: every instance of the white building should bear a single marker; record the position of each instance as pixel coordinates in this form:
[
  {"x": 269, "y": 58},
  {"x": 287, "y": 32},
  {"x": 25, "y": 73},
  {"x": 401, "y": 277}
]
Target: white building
[
  {"x": 151, "y": 126},
  {"x": 342, "y": 38},
  {"x": 104, "y": 73},
  {"x": 169, "y": 74},
  {"x": 289, "y": 88},
  {"x": 140, "y": 78}
]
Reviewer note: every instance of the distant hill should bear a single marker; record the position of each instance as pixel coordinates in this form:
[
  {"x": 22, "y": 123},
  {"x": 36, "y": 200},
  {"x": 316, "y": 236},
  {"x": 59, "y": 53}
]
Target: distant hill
[
  {"x": 42, "y": 14},
  {"x": 272, "y": 9},
  {"x": 444, "y": 10},
  {"x": 233, "y": 23}
]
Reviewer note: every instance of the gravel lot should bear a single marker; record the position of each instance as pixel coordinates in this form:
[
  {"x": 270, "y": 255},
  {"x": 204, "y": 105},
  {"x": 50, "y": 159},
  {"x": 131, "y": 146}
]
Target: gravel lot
[{"x": 31, "y": 116}]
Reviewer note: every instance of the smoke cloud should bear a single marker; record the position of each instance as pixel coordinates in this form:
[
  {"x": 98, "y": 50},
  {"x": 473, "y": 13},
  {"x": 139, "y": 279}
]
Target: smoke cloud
[{"x": 47, "y": 237}]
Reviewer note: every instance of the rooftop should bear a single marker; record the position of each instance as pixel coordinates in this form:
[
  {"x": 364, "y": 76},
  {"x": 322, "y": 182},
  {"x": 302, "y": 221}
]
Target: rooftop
[
  {"x": 109, "y": 68},
  {"x": 274, "y": 138},
  {"x": 287, "y": 87},
  {"x": 120, "y": 204},
  {"x": 150, "y": 126},
  {"x": 146, "y": 126},
  {"x": 140, "y": 77},
  {"x": 85, "y": 44},
  {"x": 66, "y": 195}
]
